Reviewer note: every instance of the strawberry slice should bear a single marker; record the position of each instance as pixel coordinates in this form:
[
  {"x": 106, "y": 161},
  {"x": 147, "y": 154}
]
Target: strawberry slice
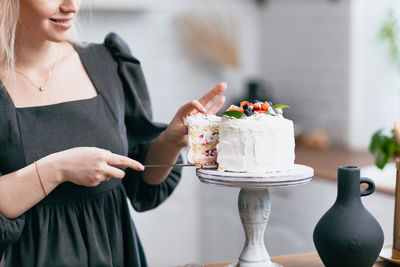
[
  {"x": 256, "y": 106},
  {"x": 234, "y": 107},
  {"x": 265, "y": 106},
  {"x": 244, "y": 103}
]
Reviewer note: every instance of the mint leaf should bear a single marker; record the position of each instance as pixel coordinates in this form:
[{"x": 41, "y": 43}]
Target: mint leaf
[
  {"x": 235, "y": 114},
  {"x": 281, "y": 106},
  {"x": 271, "y": 111}
]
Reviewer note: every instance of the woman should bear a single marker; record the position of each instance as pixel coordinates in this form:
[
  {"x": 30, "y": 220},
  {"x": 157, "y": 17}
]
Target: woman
[{"x": 72, "y": 117}]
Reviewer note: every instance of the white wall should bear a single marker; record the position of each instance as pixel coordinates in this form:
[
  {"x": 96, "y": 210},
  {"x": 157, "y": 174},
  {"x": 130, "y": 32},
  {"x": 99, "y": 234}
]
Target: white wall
[
  {"x": 375, "y": 85},
  {"x": 325, "y": 59},
  {"x": 306, "y": 58}
]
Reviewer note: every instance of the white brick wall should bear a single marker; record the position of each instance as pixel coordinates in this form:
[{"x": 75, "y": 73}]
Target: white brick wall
[
  {"x": 324, "y": 59},
  {"x": 306, "y": 58}
]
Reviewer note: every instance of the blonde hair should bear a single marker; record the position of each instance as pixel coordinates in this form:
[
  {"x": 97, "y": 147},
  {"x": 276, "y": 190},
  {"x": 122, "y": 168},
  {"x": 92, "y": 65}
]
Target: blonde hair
[{"x": 9, "y": 13}]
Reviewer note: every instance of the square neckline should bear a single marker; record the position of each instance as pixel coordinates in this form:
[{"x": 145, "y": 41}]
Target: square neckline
[{"x": 75, "y": 47}]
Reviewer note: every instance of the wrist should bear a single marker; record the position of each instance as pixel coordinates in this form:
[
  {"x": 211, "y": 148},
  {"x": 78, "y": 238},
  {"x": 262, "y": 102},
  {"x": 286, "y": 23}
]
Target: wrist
[
  {"x": 51, "y": 169},
  {"x": 171, "y": 143}
]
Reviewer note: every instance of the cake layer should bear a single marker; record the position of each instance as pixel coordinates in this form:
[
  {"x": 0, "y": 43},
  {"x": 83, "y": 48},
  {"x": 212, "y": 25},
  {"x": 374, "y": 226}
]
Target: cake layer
[
  {"x": 202, "y": 138},
  {"x": 259, "y": 143}
]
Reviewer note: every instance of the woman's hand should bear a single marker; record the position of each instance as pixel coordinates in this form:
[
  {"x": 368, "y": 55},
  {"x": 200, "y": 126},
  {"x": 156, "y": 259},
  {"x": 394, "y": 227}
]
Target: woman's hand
[
  {"x": 177, "y": 130},
  {"x": 89, "y": 166}
]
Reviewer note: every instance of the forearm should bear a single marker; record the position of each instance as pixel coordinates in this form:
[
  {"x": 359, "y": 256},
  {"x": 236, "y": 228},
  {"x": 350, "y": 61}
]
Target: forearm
[
  {"x": 21, "y": 190},
  {"x": 160, "y": 152}
]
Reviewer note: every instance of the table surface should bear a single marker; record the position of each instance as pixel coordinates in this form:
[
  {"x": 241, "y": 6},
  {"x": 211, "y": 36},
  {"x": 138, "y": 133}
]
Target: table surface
[
  {"x": 300, "y": 260},
  {"x": 325, "y": 162}
]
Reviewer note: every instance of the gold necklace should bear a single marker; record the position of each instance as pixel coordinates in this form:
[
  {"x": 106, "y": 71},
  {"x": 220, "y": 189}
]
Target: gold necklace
[{"x": 41, "y": 87}]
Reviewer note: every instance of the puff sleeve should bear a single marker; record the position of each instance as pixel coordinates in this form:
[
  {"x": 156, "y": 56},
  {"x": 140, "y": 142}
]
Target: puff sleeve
[
  {"x": 141, "y": 131},
  {"x": 10, "y": 231}
]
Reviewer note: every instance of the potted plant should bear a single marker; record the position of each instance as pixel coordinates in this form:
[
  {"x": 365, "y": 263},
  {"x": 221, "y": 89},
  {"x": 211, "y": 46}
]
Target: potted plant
[{"x": 385, "y": 146}]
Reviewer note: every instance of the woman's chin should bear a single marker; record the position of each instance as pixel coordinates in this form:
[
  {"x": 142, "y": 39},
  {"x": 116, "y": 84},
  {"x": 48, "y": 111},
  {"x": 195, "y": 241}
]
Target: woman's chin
[{"x": 60, "y": 37}]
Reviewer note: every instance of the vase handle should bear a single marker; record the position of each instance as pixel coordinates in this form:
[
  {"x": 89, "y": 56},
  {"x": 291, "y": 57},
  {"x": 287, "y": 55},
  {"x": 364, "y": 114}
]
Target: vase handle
[{"x": 371, "y": 186}]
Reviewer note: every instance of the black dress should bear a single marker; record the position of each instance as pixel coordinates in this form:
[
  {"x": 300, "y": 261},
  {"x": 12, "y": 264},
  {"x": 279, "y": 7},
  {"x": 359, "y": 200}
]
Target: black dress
[{"x": 76, "y": 225}]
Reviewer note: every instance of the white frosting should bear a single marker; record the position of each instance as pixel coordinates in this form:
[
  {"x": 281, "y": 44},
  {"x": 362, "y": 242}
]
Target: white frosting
[
  {"x": 203, "y": 119},
  {"x": 259, "y": 143}
]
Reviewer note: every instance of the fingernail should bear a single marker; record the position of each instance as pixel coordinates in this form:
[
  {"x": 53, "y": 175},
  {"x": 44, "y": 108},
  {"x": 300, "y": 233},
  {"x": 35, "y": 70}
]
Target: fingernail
[
  {"x": 203, "y": 110},
  {"x": 224, "y": 84},
  {"x": 140, "y": 167}
]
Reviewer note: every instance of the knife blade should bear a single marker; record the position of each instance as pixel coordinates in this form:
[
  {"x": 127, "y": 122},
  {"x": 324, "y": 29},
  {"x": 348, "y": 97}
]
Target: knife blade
[
  {"x": 173, "y": 165},
  {"x": 179, "y": 165}
]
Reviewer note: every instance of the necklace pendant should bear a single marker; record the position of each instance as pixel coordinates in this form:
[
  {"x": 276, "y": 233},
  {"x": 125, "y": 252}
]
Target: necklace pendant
[{"x": 41, "y": 89}]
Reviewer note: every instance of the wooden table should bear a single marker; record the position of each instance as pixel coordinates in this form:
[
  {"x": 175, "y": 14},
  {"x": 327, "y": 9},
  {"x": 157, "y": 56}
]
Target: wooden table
[
  {"x": 300, "y": 260},
  {"x": 326, "y": 162}
]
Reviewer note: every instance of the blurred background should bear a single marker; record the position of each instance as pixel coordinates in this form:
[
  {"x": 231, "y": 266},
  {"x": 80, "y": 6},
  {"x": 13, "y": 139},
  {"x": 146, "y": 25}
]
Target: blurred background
[{"x": 331, "y": 61}]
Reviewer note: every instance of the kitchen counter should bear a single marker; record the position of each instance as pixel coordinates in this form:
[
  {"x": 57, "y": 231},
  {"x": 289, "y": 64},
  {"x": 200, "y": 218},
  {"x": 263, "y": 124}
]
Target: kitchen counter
[
  {"x": 299, "y": 260},
  {"x": 326, "y": 162}
]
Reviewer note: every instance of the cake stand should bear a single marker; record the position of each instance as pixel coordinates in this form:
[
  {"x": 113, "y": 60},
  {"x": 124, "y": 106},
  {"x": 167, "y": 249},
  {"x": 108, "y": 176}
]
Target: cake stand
[{"x": 255, "y": 205}]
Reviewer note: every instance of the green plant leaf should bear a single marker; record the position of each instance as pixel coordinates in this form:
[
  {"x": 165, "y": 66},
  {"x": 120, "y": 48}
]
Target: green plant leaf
[
  {"x": 376, "y": 141},
  {"x": 383, "y": 147},
  {"x": 235, "y": 114},
  {"x": 281, "y": 106},
  {"x": 381, "y": 160}
]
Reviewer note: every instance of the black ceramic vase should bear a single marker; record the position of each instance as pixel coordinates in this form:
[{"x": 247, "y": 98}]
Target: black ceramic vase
[{"x": 348, "y": 235}]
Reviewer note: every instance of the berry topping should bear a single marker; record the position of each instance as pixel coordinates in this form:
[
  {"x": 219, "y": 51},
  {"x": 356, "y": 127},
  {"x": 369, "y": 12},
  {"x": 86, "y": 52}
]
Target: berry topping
[
  {"x": 244, "y": 103},
  {"x": 248, "y": 112},
  {"x": 265, "y": 106},
  {"x": 233, "y": 107},
  {"x": 247, "y": 108},
  {"x": 257, "y": 106}
]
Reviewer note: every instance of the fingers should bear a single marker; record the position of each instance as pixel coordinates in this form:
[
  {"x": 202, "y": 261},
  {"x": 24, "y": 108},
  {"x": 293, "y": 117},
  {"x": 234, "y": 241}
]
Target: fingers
[
  {"x": 121, "y": 162},
  {"x": 189, "y": 107},
  {"x": 214, "y": 109},
  {"x": 110, "y": 171},
  {"x": 213, "y": 94},
  {"x": 206, "y": 101}
]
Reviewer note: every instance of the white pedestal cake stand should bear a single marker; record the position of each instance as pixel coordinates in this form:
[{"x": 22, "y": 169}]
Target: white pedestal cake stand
[{"x": 255, "y": 204}]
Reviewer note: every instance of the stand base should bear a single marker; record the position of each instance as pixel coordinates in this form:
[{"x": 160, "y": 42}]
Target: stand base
[
  {"x": 254, "y": 264},
  {"x": 258, "y": 264},
  {"x": 255, "y": 206}
]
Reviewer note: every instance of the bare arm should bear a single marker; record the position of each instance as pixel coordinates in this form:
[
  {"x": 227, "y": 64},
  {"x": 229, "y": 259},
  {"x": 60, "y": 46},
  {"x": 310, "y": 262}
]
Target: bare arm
[
  {"x": 87, "y": 166},
  {"x": 166, "y": 148},
  {"x": 21, "y": 190}
]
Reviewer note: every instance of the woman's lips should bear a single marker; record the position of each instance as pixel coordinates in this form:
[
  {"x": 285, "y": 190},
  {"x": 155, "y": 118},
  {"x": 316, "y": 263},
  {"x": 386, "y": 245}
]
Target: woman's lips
[{"x": 62, "y": 23}]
